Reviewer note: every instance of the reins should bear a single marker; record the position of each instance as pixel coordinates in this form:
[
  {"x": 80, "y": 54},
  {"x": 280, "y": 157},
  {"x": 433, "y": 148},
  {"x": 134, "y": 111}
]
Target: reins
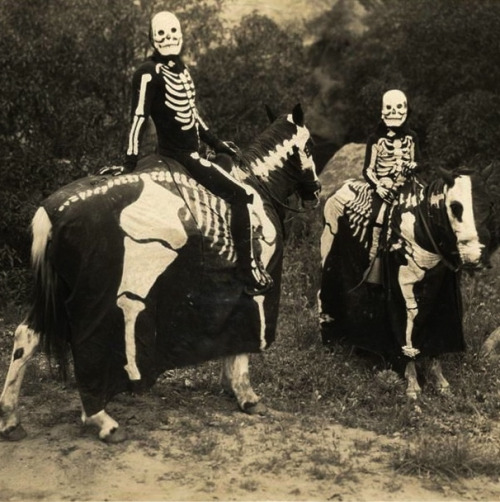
[
  {"x": 248, "y": 170},
  {"x": 428, "y": 232}
]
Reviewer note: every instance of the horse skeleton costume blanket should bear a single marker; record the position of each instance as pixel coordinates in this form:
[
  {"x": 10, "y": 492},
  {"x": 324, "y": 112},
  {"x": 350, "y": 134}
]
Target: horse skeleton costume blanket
[
  {"x": 122, "y": 279},
  {"x": 426, "y": 235},
  {"x": 137, "y": 273}
]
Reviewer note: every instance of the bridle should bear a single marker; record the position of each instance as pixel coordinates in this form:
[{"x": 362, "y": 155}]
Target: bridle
[
  {"x": 428, "y": 231},
  {"x": 246, "y": 167}
]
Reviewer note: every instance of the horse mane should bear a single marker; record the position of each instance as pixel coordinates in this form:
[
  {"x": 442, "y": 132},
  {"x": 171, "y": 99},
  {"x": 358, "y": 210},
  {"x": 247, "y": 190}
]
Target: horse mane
[{"x": 277, "y": 133}]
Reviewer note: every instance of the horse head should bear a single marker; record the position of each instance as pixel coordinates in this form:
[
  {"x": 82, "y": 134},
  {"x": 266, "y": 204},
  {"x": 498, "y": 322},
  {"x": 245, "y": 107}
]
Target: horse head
[
  {"x": 469, "y": 210},
  {"x": 309, "y": 186},
  {"x": 281, "y": 159}
]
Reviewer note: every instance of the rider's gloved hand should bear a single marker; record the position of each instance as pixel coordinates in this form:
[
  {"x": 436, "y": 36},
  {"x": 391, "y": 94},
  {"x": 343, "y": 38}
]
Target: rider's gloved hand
[
  {"x": 409, "y": 168},
  {"x": 386, "y": 194},
  {"x": 113, "y": 170},
  {"x": 227, "y": 147},
  {"x": 127, "y": 167}
]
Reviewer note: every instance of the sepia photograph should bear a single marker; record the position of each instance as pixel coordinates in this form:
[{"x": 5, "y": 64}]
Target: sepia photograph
[{"x": 248, "y": 250}]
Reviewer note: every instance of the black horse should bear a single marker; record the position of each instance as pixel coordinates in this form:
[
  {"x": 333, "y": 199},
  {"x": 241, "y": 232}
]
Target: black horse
[
  {"x": 137, "y": 274},
  {"x": 413, "y": 308}
]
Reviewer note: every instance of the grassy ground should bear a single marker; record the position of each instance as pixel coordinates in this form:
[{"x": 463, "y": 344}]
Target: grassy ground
[
  {"x": 446, "y": 437},
  {"x": 454, "y": 435}
]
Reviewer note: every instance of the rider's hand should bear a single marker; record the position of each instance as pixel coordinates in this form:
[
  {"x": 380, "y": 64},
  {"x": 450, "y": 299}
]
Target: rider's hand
[
  {"x": 386, "y": 194},
  {"x": 409, "y": 168},
  {"x": 227, "y": 147},
  {"x": 113, "y": 170},
  {"x": 232, "y": 146}
]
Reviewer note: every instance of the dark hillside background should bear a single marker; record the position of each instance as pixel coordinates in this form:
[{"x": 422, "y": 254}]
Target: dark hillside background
[{"x": 67, "y": 67}]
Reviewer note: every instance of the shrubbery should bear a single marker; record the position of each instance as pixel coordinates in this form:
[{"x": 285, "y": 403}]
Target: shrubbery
[
  {"x": 440, "y": 53},
  {"x": 67, "y": 68},
  {"x": 66, "y": 94}
]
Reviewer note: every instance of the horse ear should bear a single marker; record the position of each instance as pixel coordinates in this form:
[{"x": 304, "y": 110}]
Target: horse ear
[
  {"x": 270, "y": 114},
  {"x": 298, "y": 115},
  {"x": 446, "y": 175},
  {"x": 487, "y": 171},
  {"x": 469, "y": 171}
]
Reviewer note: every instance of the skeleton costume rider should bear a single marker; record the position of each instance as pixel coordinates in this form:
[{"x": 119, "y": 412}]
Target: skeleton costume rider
[
  {"x": 392, "y": 156},
  {"x": 162, "y": 88},
  {"x": 392, "y": 152}
]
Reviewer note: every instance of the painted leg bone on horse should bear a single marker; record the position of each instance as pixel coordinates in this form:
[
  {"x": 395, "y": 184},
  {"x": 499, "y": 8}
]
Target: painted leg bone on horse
[
  {"x": 137, "y": 275},
  {"x": 433, "y": 231}
]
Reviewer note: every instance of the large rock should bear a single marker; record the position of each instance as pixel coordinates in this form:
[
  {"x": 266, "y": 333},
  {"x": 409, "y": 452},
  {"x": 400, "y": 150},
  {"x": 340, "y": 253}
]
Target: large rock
[{"x": 346, "y": 163}]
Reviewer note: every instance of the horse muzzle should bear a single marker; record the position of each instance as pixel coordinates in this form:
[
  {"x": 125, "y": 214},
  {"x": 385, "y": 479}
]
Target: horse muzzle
[
  {"x": 310, "y": 204},
  {"x": 472, "y": 255},
  {"x": 309, "y": 193}
]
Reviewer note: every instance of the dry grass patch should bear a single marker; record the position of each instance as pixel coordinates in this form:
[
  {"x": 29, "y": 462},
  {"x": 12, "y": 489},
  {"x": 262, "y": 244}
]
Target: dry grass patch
[{"x": 451, "y": 458}]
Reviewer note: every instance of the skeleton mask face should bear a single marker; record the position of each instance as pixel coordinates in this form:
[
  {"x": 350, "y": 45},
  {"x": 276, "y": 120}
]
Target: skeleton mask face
[
  {"x": 394, "y": 108},
  {"x": 166, "y": 34}
]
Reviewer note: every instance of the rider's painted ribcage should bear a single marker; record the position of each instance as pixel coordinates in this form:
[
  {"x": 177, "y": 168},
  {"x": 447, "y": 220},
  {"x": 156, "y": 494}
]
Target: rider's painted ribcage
[
  {"x": 180, "y": 96},
  {"x": 391, "y": 158}
]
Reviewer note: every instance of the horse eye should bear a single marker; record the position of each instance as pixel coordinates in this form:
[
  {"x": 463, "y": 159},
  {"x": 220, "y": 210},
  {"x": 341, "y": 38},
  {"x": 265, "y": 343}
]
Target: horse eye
[
  {"x": 308, "y": 148},
  {"x": 457, "y": 210}
]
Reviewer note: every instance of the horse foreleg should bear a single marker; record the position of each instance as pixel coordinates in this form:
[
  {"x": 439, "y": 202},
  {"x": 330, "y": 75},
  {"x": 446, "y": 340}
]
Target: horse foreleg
[
  {"x": 109, "y": 430},
  {"x": 413, "y": 390},
  {"x": 25, "y": 343},
  {"x": 235, "y": 378},
  {"x": 408, "y": 276},
  {"x": 442, "y": 385}
]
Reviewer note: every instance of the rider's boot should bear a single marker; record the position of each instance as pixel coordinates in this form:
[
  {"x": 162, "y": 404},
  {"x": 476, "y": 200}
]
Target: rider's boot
[{"x": 250, "y": 269}]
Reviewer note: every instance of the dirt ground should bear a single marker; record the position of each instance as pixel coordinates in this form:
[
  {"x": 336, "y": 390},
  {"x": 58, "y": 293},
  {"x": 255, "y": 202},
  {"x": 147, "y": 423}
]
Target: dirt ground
[{"x": 187, "y": 441}]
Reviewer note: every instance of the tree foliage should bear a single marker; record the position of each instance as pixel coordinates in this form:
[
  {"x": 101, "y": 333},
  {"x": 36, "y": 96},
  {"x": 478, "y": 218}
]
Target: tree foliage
[
  {"x": 258, "y": 64},
  {"x": 442, "y": 54},
  {"x": 66, "y": 66},
  {"x": 66, "y": 92}
]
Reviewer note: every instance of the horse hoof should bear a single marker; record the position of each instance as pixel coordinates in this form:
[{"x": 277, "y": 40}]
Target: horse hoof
[
  {"x": 413, "y": 395},
  {"x": 445, "y": 391},
  {"x": 14, "y": 433},
  {"x": 116, "y": 436},
  {"x": 255, "y": 409}
]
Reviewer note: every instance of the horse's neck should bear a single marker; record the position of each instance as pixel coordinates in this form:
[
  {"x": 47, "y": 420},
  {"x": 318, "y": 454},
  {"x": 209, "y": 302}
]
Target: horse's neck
[
  {"x": 268, "y": 160},
  {"x": 434, "y": 197},
  {"x": 271, "y": 181},
  {"x": 433, "y": 219}
]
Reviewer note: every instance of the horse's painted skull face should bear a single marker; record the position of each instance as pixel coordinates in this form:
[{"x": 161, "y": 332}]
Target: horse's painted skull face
[
  {"x": 459, "y": 207},
  {"x": 166, "y": 34},
  {"x": 394, "y": 108},
  {"x": 310, "y": 185}
]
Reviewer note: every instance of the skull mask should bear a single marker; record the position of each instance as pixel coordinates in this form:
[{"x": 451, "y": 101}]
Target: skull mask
[
  {"x": 394, "y": 108},
  {"x": 166, "y": 34}
]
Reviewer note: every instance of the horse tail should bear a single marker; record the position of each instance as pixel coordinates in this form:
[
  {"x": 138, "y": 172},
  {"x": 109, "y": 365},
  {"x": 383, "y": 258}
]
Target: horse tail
[{"x": 47, "y": 315}]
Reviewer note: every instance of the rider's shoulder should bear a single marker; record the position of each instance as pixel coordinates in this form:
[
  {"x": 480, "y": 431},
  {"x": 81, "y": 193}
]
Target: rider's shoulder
[{"x": 147, "y": 67}]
